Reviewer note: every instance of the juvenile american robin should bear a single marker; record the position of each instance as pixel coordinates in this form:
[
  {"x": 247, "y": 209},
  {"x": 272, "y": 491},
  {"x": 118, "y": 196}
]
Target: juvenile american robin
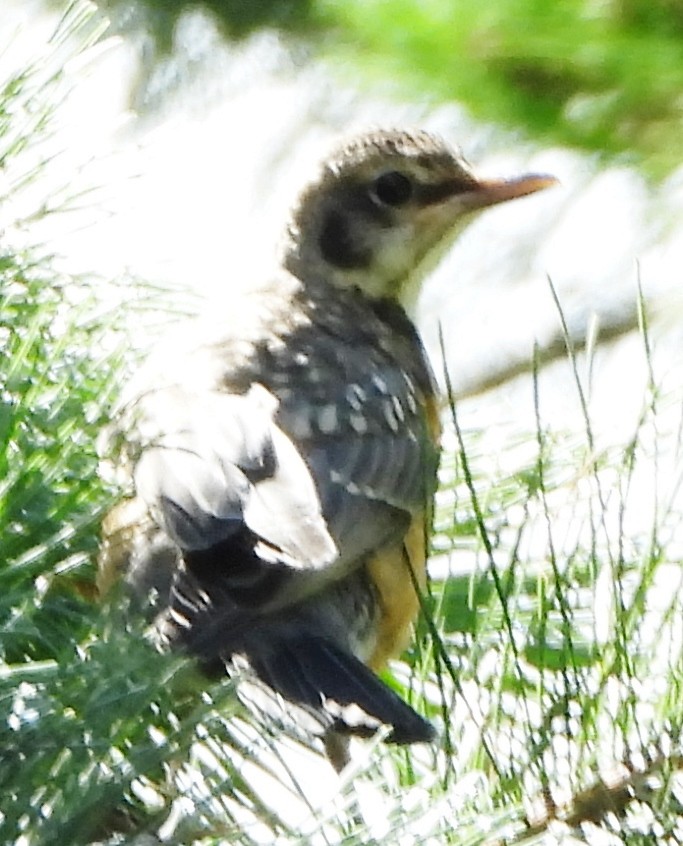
[{"x": 284, "y": 463}]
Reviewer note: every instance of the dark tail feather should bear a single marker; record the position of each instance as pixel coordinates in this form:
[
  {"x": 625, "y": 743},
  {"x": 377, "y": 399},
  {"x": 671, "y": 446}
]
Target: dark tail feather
[
  {"x": 316, "y": 673},
  {"x": 330, "y": 686}
]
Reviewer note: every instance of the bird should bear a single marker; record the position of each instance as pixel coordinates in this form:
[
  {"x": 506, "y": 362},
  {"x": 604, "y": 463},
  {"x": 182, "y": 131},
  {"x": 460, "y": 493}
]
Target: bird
[{"x": 281, "y": 463}]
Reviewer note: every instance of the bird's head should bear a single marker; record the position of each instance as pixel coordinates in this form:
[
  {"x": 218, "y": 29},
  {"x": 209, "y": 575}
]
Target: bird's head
[{"x": 382, "y": 209}]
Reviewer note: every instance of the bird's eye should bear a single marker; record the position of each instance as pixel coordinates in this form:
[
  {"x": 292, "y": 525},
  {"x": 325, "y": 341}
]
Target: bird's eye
[{"x": 392, "y": 188}]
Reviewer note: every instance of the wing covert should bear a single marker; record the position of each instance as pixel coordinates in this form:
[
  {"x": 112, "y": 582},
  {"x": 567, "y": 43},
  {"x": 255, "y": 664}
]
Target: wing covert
[{"x": 211, "y": 463}]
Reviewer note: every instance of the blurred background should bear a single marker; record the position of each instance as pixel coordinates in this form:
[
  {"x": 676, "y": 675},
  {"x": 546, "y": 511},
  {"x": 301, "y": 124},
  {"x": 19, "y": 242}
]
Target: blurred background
[
  {"x": 197, "y": 121},
  {"x": 148, "y": 153}
]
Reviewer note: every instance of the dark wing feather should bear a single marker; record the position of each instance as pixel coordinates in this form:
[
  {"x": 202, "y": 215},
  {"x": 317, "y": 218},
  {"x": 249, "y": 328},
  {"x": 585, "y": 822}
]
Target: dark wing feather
[{"x": 360, "y": 422}]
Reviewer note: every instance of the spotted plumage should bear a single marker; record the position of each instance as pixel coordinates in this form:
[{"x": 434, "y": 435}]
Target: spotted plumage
[{"x": 283, "y": 461}]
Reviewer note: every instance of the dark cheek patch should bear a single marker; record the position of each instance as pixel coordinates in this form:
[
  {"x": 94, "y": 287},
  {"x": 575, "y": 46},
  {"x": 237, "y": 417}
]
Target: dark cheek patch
[{"x": 340, "y": 245}]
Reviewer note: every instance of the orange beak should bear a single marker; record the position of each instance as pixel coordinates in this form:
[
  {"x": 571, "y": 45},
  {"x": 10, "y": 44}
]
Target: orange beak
[{"x": 489, "y": 192}]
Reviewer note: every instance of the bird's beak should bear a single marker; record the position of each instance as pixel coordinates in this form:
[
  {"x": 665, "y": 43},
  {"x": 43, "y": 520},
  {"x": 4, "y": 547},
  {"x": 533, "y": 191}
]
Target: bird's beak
[{"x": 489, "y": 192}]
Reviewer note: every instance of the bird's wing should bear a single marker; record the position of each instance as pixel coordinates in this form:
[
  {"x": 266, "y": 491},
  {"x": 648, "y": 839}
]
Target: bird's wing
[
  {"x": 207, "y": 463},
  {"x": 321, "y": 449},
  {"x": 361, "y": 420}
]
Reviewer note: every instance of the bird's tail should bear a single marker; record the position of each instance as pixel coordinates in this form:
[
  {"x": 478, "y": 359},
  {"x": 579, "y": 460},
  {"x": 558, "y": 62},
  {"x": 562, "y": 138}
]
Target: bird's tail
[
  {"x": 317, "y": 674},
  {"x": 290, "y": 658}
]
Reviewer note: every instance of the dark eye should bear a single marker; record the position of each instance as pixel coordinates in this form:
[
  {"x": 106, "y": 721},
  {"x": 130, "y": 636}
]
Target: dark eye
[{"x": 393, "y": 188}]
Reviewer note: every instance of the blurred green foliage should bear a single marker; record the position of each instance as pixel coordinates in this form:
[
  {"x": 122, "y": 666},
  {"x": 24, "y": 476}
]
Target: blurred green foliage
[
  {"x": 103, "y": 739},
  {"x": 73, "y": 685},
  {"x": 604, "y": 76}
]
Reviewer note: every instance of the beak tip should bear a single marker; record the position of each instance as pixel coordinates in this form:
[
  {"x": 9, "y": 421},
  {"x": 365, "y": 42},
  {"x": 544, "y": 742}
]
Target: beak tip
[
  {"x": 530, "y": 183},
  {"x": 494, "y": 191},
  {"x": 544, "y": 180}
]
